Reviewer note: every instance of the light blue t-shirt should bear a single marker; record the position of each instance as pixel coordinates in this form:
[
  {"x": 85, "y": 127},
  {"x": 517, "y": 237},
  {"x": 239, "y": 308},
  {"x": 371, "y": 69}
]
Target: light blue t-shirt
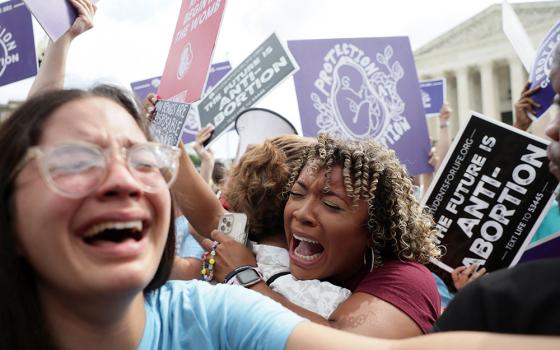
[
  {"x": 444, "y": 293},
  {"x": 550, "y": 223},
  {"x": 186, "y": 245},
  {"x": 197, "y": 315}
]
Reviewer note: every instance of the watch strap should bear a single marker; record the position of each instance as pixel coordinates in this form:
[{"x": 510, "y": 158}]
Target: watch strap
[{"x": 273, "y": 278}]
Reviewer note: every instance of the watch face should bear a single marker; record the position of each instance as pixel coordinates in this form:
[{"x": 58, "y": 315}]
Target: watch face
[{"x": 247, "y": 276}]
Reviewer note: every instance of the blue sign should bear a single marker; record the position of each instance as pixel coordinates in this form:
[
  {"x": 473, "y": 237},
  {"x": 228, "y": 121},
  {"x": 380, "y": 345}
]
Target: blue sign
[
  {"x": 540, "y": 73},
  {"x": 17, "y": 46},
  {"x": 433, "y": 96}
]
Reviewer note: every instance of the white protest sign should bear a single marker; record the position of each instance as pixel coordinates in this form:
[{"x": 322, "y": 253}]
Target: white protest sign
[
  {"x": 255, "y": 125},
  {"x": 517, "y": 36}
]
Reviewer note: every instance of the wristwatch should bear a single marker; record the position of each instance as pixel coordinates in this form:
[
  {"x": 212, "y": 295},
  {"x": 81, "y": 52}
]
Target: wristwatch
[{"x": 246, "y": 277}]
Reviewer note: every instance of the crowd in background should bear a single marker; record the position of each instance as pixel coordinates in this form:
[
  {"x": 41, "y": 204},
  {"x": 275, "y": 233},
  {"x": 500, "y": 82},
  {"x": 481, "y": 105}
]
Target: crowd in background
[{"x": 109, "y": 238}]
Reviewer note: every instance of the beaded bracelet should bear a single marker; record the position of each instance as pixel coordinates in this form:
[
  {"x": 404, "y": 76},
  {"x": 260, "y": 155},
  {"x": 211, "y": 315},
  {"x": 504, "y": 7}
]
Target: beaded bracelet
[{"x": 208, "y": 262}]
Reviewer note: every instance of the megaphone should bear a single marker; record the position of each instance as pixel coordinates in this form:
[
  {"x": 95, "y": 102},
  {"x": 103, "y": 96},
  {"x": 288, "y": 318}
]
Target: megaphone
[{"x": 254, "y": 125}]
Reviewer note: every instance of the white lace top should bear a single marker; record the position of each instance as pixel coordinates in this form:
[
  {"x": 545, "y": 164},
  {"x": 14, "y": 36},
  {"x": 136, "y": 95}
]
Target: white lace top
[{"x": 316, "y": 296}]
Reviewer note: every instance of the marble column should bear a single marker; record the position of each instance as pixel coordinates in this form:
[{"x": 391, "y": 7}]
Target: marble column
[
  {"x": 489, "y": 90},
  {"x": 451, "y": 97},
  {"x": 463, "y": 94},
  {"x": 518, "y": 79}
]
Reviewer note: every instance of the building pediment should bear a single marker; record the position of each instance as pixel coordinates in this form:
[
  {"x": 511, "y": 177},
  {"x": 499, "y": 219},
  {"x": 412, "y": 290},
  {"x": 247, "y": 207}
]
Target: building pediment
[{"x": 487, "y": 26}]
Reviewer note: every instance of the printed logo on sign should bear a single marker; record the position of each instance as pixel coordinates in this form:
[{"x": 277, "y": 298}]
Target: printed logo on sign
[
  {"x": 7, "y": 45},
  {"x": 185, "y": 61},
  {"x": 543, "y": 63},
  {"x": 358, "y": 97},
  {"x": 426, "y": 99},
  {"x": 155, "y": 83}
]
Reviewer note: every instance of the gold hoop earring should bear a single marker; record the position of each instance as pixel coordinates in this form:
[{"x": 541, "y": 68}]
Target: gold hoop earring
[{"x": 372, "y": 259}]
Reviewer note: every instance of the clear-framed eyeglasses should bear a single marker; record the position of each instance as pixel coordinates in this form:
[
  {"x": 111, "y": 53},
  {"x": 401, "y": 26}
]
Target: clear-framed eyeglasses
[{"x": 77, "y": 169}]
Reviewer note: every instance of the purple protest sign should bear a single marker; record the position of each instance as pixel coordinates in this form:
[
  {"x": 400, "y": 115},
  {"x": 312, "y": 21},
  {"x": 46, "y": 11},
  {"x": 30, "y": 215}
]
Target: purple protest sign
[
  {"x": 191, "y": 127},
  {"x": 541, "y": 70},
  {"x": 55, "y": 16},
  {"x": 217, "y": 72},
  {"x": 433, "y": 96},
  {"x": 17, "y": 46},
  {"x": 144, "y": 87},
  {"x": 366, "y": 87},
  {"x": 547, "y": 248}
]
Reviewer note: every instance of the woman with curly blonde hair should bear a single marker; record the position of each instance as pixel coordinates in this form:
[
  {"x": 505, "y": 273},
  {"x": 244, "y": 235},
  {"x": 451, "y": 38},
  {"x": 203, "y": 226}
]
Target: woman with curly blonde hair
[
  {"x": 397, "y": 225},
  {"x": 351, "y": 219}
]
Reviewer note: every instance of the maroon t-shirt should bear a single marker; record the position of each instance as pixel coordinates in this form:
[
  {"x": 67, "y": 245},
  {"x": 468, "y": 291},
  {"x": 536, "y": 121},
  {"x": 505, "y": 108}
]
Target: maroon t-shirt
[{"x": 408, "y": 286}]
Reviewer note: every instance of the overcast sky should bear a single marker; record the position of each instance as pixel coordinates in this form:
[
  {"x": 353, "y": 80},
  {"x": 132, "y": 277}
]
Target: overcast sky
[{"x": 131, "y": 38}]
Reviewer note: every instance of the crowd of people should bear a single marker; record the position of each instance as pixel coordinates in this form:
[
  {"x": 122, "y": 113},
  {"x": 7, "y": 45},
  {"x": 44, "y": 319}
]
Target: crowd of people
[{"x": 108, "y": 239}]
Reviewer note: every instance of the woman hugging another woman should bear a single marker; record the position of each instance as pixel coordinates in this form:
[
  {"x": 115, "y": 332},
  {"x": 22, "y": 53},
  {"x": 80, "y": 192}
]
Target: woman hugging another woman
[{"x": 351, "y": 219}]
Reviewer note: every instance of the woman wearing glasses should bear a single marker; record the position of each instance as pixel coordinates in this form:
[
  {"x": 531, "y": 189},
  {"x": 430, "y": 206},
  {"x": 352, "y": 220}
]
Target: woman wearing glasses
[{"x": 87, "y": 239}]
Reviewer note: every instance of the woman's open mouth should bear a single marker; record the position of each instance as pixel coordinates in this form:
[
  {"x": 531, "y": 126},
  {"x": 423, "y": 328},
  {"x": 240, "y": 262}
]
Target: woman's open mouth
[
  {"x": 116, "y": 238},
  {"x": 115, "y": 232},
  {"x": 305, "y": 250}
]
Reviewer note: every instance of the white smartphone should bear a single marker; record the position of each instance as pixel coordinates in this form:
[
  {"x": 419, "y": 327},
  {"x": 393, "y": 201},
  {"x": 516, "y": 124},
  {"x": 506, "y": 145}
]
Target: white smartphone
[{"x": 235, "y": 226}]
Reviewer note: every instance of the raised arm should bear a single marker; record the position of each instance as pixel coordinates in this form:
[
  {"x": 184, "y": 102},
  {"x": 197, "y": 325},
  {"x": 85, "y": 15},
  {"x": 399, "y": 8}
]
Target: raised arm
[
  {"x": 444, "y": 140},
  {"x": 434, "y": 161},
  {"x": 192, "y": 194},
  {"x": 206, "y": 156},
  {"x": 195, "y": 198},
  {"x": 524, "y": 106},
  {"x": 437, "y": 153},
  {"x": 53, "y": 67}
]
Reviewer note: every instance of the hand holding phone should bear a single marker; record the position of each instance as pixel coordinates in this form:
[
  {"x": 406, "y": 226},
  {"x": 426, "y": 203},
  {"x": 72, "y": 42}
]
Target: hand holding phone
[{"x": 235, "y": 226}]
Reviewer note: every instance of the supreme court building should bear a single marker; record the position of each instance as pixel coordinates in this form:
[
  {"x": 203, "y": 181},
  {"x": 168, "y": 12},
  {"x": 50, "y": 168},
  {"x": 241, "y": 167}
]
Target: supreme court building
[{"x": 479, "y": 64}]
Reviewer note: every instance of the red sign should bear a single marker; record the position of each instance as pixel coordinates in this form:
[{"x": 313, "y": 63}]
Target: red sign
[{"x": 191, "y": 50}]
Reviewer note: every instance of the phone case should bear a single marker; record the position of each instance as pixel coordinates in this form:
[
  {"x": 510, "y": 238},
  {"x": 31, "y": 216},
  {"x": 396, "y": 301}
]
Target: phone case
[{"x": 234, "y": 225}]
